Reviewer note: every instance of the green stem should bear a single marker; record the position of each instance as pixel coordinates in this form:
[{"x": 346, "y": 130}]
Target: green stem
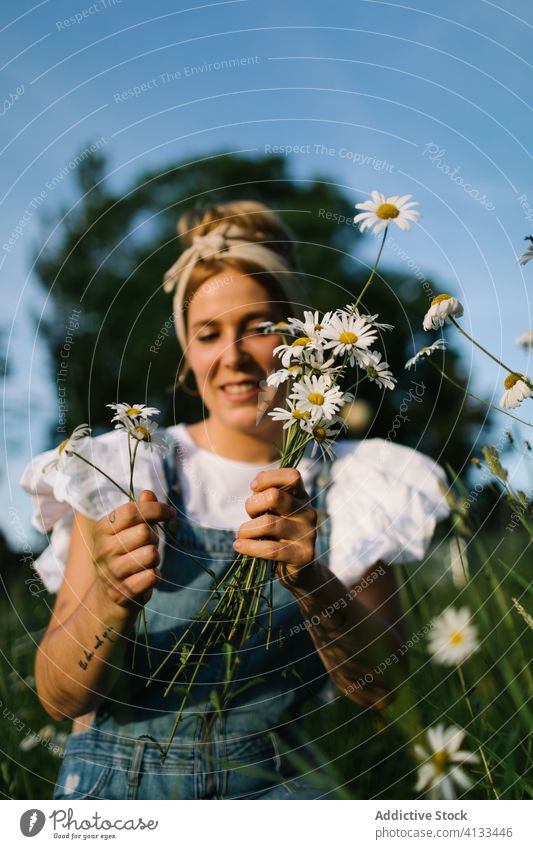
[
  {"x": 372, "y": 273},
  {"x": 481, "y": 750},
  {"x": 481, "y": 348},
  {"x": 476, "y": 397}
]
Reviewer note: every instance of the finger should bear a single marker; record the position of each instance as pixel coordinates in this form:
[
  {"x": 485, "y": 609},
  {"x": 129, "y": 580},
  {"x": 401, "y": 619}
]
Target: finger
[
  {"x": 288, "y": 479},
  {"x": 132, "y": 538},
  {"x": 134, "y": 587},
  {"x": 146, "y": 557},
  {"x": 134, "y": 512},
  {"x": 280, "y": 551},
  {"x": 268, "y": 525},
  {"x": 273, "y": 500}
]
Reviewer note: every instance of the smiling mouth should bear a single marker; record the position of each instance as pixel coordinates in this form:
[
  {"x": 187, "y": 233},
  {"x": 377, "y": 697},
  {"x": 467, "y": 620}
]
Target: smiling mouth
[{"x": 241, "y": 388}]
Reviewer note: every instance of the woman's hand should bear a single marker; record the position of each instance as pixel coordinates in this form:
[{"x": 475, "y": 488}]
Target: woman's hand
[
  {"x": 283, "y": 525},
  {"x": 125, "y": 549}
]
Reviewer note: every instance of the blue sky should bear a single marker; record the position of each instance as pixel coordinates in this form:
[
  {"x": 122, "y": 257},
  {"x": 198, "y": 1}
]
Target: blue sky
[{"x": 420, "y": 98}]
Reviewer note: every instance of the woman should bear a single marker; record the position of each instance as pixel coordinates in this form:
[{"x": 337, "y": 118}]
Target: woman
[{"x": 332, "y": 527}]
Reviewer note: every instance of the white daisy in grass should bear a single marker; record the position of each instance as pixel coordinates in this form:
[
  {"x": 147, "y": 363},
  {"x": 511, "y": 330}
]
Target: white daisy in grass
[
  {"x": 524, "y": 258},
  {"x": 65, "y": 448},
  {"x": 290, "y": 352},
  {"x": 439, "y": 345},
  {"x": 378, "y": 371},
  {"x": 442, "y": 762},
  {"x": 517, "y": 389},
  {"x": 143, "y": 430},
  {"x": 290, "y": 414},
  {"x": 318, "y": 395},
  {"x": 525, "y": 340},
  {"x": 131, "y": 411},
  {"x": 453, "y": 637},
  {"x": 442, "y": 307},
  {"x": 379, "y": 211},
  {"x": 348, "y": 334},
  {"x": 311, "y": 325}
]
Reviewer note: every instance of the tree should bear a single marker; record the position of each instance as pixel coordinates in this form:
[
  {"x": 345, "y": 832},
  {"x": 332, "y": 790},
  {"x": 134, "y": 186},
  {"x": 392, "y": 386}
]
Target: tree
[{"x": 107, "y": 262}]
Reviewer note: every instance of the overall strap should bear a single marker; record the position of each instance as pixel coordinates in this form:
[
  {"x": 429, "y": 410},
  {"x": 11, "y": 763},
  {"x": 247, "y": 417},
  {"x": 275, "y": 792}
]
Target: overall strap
[
  {"x": 321, "y": 484},
  {"x": 170, "y": 466}
]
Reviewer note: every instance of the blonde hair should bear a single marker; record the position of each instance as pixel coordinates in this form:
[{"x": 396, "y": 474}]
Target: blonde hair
[{"x": 258, "y": 223}]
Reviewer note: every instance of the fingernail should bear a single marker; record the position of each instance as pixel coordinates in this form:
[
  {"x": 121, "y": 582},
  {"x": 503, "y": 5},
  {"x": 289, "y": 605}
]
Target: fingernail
[
  {"x": 237, "y": 543},
  {"x": 254, "y": 483}
]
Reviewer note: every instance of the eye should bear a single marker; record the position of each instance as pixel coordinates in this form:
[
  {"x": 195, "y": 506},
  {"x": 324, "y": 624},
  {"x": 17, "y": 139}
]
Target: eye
[{"x": 206, "y": 338}]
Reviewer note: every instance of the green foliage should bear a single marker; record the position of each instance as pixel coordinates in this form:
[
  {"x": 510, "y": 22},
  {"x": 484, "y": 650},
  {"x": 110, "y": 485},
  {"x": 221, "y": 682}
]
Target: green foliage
[{"x": 109, "y": 255}]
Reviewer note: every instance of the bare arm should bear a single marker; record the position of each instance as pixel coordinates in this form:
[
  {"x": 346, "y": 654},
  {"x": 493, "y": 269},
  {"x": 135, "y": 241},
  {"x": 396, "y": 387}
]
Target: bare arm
[
  {"x": 357, "y": 632},
  {"x": 110, "y": 573}
]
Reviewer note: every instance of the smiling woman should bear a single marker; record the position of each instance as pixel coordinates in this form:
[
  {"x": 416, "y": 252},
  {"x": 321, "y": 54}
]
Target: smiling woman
[{"x": 332, "y": 527}]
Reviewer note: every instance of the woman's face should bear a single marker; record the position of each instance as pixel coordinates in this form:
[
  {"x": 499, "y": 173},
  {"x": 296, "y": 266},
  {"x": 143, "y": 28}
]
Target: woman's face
[{"x": 228, "y": 356}]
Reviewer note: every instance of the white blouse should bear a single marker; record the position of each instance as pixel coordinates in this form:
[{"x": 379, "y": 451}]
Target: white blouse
[{"x": 384, "y": 500}]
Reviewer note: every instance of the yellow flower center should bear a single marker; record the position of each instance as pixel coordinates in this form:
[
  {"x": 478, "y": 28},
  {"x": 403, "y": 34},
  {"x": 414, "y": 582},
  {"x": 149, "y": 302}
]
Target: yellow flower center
[
  {"x": 315, "y": 398},
  {"x": 297, "y": 414},
  {"x": 303, "y": 340},
  {"x": 348, "y": 338},
  {"x": 293, "y": 368},
  {"x": 439, "y": 299},
  {"x": 511, "y": 379},
  {"x": 133, "y": 411},
  {"x": 457, "y": 638},
  {"x": 320, "y": 433},
  {"x": 142, "y": 433},
  {"x": 424, "y": 350},
  {"x": 440, "y": 760},
  {"x": 280, "y": 324},
  {"x": 63, "y": 446},
  {"x": 371, "y": 371},
  {"x": 318, "y": 326},
  {"x": 387, "y": 210}
]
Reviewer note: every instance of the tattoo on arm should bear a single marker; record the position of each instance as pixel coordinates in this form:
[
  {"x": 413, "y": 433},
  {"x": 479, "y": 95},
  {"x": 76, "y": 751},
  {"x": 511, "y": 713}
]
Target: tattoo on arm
[{"x": 88, "y": 656}]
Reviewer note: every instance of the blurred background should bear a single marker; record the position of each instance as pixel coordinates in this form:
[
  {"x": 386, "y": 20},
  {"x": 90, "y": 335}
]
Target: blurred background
[{"x": 118, "y": 116}]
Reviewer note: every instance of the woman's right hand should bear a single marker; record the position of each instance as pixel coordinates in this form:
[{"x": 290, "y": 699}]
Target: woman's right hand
[{"x": 125, "y": 550}]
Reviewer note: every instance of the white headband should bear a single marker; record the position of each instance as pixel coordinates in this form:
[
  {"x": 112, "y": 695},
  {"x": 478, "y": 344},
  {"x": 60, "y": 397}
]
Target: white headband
[{"x": 216, "y": 244}]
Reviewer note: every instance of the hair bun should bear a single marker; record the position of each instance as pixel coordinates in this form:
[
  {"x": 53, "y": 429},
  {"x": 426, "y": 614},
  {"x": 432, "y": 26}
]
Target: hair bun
[{"x": 258, "y": 222}]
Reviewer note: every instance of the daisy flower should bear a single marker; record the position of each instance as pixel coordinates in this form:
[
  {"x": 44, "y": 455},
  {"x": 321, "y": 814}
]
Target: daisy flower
[
  {"x": 274, "y": 327},
  {"x": 295, "y": 350},
  {"x": 380, "y": 210},
  {"x": 525, "y": 340},
  {"x": 348, "y": 334},
  {"x": 143, "y": 430},
  {"x": 453, "y": 638},
  {"x": 290, "y": 414},
  {"x": 371, "y": 319},
  {"x": 276, "y": 378},
  {"x": 67, "y": 446},
  {"x": 311, "y": 326},
  {"x": 439, "y": 345},
  {"x": 442, "y": 762},
  {"x": 316, "y": 394},
  {"x": 517, "y": 388},
  {"x": 379, "y": 372},
  {"x": 324, "y": 434},
  {"x": 442, "y": 307},
  {"x": 131, "y": 411},
  {"x": 524, "y": 258}
]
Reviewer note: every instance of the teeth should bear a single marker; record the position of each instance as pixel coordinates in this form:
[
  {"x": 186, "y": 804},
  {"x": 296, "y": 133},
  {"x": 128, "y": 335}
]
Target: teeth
[{"x": 240, "y": 388}]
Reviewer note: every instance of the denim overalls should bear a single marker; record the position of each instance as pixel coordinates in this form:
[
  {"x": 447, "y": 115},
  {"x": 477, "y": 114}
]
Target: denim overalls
[{"x": 240, "y": 756}]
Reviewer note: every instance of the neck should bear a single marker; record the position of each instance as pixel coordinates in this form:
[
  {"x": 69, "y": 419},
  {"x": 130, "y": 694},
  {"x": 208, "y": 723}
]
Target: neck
[{"x": 254, "y": 447}]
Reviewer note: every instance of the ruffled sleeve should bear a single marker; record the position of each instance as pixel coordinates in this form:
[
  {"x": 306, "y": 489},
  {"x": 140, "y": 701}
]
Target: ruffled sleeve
[
  {"x": 74, "y": 485},
  {"x": 384, "y": 502}
]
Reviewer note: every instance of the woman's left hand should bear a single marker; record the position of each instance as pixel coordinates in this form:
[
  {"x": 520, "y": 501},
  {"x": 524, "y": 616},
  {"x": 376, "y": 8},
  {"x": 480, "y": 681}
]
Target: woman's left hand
[{"x": 280, "y": 512}]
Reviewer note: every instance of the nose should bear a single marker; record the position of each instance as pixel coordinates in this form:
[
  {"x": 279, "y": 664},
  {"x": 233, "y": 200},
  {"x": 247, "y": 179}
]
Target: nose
[{"x": 235, "y": 351}]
